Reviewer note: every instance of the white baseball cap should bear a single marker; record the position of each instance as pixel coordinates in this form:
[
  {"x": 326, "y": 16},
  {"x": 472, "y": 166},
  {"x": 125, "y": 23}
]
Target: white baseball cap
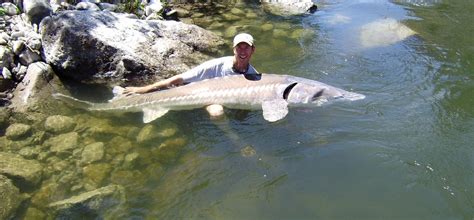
[{"x": 243, "y": 37}]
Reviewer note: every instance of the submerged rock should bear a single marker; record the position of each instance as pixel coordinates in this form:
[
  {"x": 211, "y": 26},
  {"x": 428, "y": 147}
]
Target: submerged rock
[
  {"x": 99, "y": 127},
  {"x": 59, "y": 124},
  {"x": 10, "y": 196},
  {"x": 49, "y": 192},
  {"x": 130, "y": 179},
  {"x": 383, "y": 32},
  {"x": 93, "y": 153},
  {"x": 18, "y": 131},
  {"x": 131, "y": 160},
  {"x": 63, "y": 144},
  {"x": 267, "y": 27},
  {"x": 34, "y": 213},
  {"x": 248, "y": 151},
  {"x": 118, "y": 145},
  {"x": 95, "y": 174},
  {"x": 301, "y": 33},
  {"x": 96, "y": 204},
  {"x": 152, "y": 132},
  {"x": 280, "y": 33},
  {"x": 29, "y": 152},
  {"x": 27, "y": 172},
  {"x": 168, "y": 151}
]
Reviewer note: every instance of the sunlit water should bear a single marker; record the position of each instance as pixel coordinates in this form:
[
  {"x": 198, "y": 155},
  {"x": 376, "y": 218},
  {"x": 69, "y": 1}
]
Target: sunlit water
[{"x": 404, "y": 152}]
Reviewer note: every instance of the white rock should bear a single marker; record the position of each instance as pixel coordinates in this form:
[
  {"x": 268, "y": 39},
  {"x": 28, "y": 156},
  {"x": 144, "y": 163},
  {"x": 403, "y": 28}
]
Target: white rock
[
  {"x": 6, "y": 73},
  {"x": 10, "y": 8},
  {"x": 383, "y": 32},
  {"x": 4, "y": 38},
  {"x": 28, "y": 57},
  {"x": 18, "y": 46},
  {"x": 92, "y": 1},
  {"x": 34, "y": 44},
  {"x": 153, "y": 8},
  {"x": 87, "y": 6},
  {"x": 107, "y": 6}
]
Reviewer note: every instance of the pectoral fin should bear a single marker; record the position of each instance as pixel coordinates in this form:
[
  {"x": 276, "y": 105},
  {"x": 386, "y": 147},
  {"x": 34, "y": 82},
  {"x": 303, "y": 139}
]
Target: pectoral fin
[
  {"x": 150, "y": 114},
  {"x": 274, "y": 110}
]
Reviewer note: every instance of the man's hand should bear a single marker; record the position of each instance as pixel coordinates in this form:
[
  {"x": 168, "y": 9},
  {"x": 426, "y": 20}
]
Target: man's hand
[
  {"x": 135, "y": 90},
  {"x": 176, "y": 80}
]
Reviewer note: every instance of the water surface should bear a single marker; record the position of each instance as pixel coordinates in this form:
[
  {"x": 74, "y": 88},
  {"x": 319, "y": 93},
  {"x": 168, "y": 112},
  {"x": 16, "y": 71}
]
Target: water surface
[{"x": 404, "y": 152}]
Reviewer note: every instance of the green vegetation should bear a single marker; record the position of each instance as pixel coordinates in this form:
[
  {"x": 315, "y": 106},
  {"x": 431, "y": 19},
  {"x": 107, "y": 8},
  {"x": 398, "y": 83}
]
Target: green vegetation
[
  {"x": 2, "y": 11},
  {"x": 131, "y": 6}
]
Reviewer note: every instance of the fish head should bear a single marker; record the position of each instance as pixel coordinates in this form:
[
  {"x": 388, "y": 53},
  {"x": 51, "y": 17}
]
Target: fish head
[{"x": 317, "y": 94}]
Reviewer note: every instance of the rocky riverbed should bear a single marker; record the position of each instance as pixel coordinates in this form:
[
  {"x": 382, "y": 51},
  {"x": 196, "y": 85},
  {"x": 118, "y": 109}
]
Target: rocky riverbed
[{"x": 57, "y": 162}]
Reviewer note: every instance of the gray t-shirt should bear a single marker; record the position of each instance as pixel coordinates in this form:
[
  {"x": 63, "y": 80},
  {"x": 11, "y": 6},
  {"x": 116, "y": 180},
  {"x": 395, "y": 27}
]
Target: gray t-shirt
[{"x": 214, "y": 68}]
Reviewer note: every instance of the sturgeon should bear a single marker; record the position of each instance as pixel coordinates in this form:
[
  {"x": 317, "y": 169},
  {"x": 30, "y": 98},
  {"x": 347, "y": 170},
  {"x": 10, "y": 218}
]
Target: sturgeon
[{"x": 270, "y": 92}]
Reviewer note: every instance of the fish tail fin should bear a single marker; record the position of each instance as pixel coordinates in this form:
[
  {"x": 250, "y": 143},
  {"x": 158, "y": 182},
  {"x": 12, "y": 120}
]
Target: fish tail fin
[{"x": 73, "y": 101}]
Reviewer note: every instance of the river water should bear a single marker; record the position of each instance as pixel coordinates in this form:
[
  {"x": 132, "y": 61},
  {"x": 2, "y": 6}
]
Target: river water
[{"x": 404, "y": 152}]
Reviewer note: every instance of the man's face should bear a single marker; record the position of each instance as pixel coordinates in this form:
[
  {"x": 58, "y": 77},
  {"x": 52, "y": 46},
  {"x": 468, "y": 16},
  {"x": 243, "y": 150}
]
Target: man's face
[{"x": 243, "y": 52}]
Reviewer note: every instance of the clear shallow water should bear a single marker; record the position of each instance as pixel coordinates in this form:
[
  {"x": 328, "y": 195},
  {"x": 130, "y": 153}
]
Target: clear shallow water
[{"x": 404, "y": 152}]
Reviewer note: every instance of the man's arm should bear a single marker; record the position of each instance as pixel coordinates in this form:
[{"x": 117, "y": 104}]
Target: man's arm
[{"x": 176, "y": 80}]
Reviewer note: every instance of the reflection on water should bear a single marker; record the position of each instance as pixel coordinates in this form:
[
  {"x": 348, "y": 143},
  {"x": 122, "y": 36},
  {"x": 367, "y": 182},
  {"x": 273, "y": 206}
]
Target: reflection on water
[{"x": 403, "y": 152}]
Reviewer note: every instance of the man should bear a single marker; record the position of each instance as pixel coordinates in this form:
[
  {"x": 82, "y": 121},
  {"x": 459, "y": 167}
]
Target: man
[{"x": 243, "y": 47}]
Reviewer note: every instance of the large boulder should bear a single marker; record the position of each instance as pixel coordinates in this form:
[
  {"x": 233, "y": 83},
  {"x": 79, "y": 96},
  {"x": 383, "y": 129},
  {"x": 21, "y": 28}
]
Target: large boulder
[
  {"x": 27, "y": 172},
  {"x": 11, "y": 198},
  {"x": 106, "y": 47}
]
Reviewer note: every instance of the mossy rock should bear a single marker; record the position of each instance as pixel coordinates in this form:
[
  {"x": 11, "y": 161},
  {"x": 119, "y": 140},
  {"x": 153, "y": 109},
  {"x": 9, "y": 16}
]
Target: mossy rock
[{"x": 18, "y": 131}]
